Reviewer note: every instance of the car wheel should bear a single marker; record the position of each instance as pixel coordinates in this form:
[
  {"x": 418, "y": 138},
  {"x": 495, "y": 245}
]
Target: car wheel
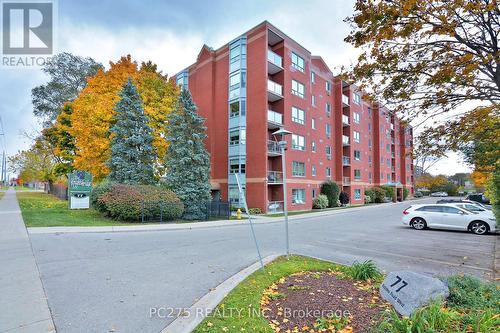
[
  {"x": 418, "y": 223},
  {"x": 479, "y": 227}
]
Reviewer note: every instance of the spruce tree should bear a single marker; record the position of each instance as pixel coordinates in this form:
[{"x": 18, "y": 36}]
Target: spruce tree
[
  {"x": 132, "y": 155},
  {"x": 187, "y": 161}
]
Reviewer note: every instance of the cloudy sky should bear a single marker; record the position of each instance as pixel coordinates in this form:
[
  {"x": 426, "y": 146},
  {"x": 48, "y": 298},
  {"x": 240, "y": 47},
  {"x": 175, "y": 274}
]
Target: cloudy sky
[{"x": 171, "y": 33}]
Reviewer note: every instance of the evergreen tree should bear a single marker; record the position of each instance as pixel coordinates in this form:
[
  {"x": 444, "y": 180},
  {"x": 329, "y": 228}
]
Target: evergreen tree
[
  {"x": 132, "y": 154},
  {"x": 187, "y": 161}
]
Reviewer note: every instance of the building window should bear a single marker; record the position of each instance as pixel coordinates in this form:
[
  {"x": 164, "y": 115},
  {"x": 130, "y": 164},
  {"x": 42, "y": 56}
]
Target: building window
[
  {"x": 182, "y": 79},
  {"x": 328, "y": 150},
  {"x": 357, "y": 174},
  {"x": 357, "y": 155},
  {"x": 357, "y": 194},
  {"x": 328, "y": 172},
  {"x": 357, "y": 98},
  {"x": 370, "y": 176},
  {"x": 237, "y": 165},
  {"x": 313, "y": 123},
  {"x": 328, "y": 130},
  {"x": 369, "y": 127},
  {"x": 313, "y": 170},
  {"x": 298, "y": 89},
  {"x": 298, "y": 115},
  {"x": 356, "y": 117},
  {"x": 369, "y": 160},
  {"x": 388, "y": 177},
  {"x": 298, "y": 196},
  {"x": 370, "y": 144},
  {"x": 237, "y": 137},
  {"x": 369, "y": 111},
  {"x": 382, "y": 159},
  {"x": 234, "y": 195},
  {"x": 298, "y": 142},
  {"x": 313, "y": 146},
  {"x": 328, "y": 108},
  {"x": 297, "y": 62},
  {"x": 236, "y": 81},
  {"x": 356, "y": 136},
  {"x": 381, "y": 175},
  {"x": 313, "y": 100},
  {"x": 313, "y": 193},
  {"x": 313, "y": 77},
  {"x": 237, "y": 109},
  {"x": 298, "y": 169},
  {"x": 328, "y": 87}
]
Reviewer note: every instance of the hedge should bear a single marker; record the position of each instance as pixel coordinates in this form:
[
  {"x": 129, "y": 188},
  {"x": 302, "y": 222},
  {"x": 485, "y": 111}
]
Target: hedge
[
  {"x": 332, "y": 191},
  {"x": 320, "y": 202}
]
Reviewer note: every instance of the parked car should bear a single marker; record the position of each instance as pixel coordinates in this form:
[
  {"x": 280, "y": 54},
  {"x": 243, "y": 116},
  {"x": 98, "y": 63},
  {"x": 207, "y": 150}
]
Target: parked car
[
  {"x": 439, "y": 194},
  {"x": 447, "y": 216},
  {"x": 475, "y": 208},
  {"x": 478, "y": 197},
  {"x": 443, "y": 201}
]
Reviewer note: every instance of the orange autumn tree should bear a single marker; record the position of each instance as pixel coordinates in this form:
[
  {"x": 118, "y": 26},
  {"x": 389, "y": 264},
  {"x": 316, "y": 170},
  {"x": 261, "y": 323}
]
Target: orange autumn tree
[{"x": 93, "y": 113}]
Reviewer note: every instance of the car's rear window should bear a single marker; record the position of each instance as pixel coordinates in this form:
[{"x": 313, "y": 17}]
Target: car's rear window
[{"x": 436, "y": 209}]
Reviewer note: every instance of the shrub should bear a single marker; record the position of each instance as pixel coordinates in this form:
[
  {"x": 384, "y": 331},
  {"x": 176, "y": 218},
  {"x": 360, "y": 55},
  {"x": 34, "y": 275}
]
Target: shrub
[
  {"x": 254, "y": 211},
  {"x": 370, "y": 192},
  {"x": 364, "y": 271},
  {"x": 130, "y": 202},
  {"x": 467, "y": 292},
  {"x": 368, "y": 199},
  {"x": 405, "y": 193},
  {"x": 331, "y": 190},
  {"x": 97, "y": 192},
  {"x": 320, "y": 202},
  {"x": 377, "y": 194},
  {"x": 389, "y": 191},
  {"x": 344, "y": 198}
]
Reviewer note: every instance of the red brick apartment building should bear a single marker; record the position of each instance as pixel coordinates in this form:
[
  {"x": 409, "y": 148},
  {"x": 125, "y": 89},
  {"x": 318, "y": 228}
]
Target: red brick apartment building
[{"x": 263, "y": 81}]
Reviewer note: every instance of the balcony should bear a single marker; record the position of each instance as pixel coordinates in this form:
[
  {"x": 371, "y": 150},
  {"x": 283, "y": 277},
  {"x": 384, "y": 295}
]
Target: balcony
[
  {"x": 275, "y": 206},
  {"x": 273, "y": 148},
  {"x": 275, "y": 177},
  {"x": 346, "y": 181},
  {"x": 345, "y": 140},
  {"x": 346, "y": 161},
  {"x": 274, "y": 119},
  {"x": 345, "y": 100},
  {"x": 274, "y": 62},
  {"x": 345, "y": 120},
  {"x": 274, "y": 91}
]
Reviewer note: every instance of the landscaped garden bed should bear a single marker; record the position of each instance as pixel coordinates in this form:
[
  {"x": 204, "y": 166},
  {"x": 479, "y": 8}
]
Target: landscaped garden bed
[{"x": 309, "y": 295}]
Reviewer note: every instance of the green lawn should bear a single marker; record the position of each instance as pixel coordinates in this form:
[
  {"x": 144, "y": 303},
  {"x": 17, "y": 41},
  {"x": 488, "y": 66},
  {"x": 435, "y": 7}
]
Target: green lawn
[
  {"x": 45, "y": 210},
  {"x": 300, "y": 212}
]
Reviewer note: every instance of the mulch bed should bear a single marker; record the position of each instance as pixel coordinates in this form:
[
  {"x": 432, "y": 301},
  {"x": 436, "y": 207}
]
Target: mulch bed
[{"x": 322, "y": 302}]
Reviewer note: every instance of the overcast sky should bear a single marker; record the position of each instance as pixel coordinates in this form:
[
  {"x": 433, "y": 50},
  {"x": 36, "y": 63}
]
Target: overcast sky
[{"x": 171, "y": 33}]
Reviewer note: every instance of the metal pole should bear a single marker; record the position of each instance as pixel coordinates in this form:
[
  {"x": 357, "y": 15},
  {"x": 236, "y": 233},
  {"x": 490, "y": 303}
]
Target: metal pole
[
  {"x": 285, "y": 201},
  {"x": 242, "y": 195}
]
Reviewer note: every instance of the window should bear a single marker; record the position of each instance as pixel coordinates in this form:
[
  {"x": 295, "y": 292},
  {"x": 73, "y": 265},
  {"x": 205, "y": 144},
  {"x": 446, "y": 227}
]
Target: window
[
  {"x": 388, "y": 147},
  {"x": 328, "y": 150},
  {"x": 234, "y": 53},
  {"x": 234, "y": 80},
  {"x": 182, "y": 79},
  {"x": 298, "y": 196},
  {"x": 237, "y": 165},
  {"x": 298, "y": 89},
  {"x": 298, "y": 115},
  {"x": 237, "y": 109},
  {"x": 328, "y": 109},
  {"x": 356, "y": 98},
  {"x": 237, "y": 137},
  {"x": 382, "y": 160},
  {"x": 369, "y": 111},
  {"x": 357, "y": 174},
  {"x": 388, "y": 177},
  {"x": 356, "y": 117},
  {"x": 313, "y": 77},
  {"x": 356, "y": 136},
  {"x": 313, "y": 146},
  {"x": 434, "y": 209},
  {"x": 357, "y": 155},
  {"x": 357, "y": 194},
  {"x": 313, "y": 100},
  {"x": 297, "y": 62},
  {"x": 381, "y": 175},
  {"x": 313, "y": 170},
  {"x": 314, "y": 193},
  {"x": 369, "y": 127},
  {"x": 370, "y": 176},
  {"x": 313, "y": 123},
  {"x": 328, "y": 87},
  {"x": 370, "y": 144},
  {"x": 234, "y": 195},
  {"x": 451, "y": 210},
  {"x": 298, "y": 142},
  {"x": 328, "y": 172},
  {"x": 298, "y": 169},
  {"x": 328, "y": 130},
  {"x": 369, "y": 160}
]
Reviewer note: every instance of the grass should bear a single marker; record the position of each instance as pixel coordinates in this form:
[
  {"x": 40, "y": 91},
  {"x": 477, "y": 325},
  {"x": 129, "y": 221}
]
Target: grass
[
  {"x": 45, "y": 210},
  {"x": 300, "y": 212},
  {"x": 244, "y": 300},
  {"x": 364, "y": 271}
]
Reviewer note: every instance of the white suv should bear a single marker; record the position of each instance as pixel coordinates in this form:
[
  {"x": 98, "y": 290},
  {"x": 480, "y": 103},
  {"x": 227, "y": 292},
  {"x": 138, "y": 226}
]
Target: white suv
[{"x": 448, "y": 216}]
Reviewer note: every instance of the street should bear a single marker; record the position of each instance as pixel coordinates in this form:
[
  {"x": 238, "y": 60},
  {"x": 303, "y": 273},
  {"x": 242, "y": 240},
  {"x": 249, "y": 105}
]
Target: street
[{"x": 108, "y": 282}]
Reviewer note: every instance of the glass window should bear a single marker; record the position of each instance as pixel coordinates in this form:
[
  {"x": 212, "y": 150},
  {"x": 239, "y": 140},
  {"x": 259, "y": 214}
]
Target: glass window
[
  {"x": 357, "y": 194},
  {"x": 234, "y": 81},
  {"x": 313, "y": 170},
  {"x": 357, "y": 155},
  {"x": 314, "y": 193},
  {"x": 298, "y": 142},
  {"x": 298, "y": 169},
  {"x": 356, "y": 117},
  {"x": 297, "y": 62},
  {"x": 328, "y": 172},
  {"x": 298, "y": 89},
  {"x": 369, "y": 111},
  {"x": 298, "y": 115},
  {"x": 451, "y": 210},
  {"x": 313, "y": 123},
  {"x": 328, "y": 150},
  {"x": 313, "y": 77},
  {"x": 236, "y": 165},
  {"x": 313, "y": 100},
  {"x": 234, "y": 109},
  {"x": 234, "y": 195},
  {"x": 328, "y": 87},
  {"x": 356, "y": 136},
  {"x": 313, "y": 146},
  {"x": 237, "y": 137},
  {"x": 357, "y": 98},
  {"x": 357, "y": 174},
  {"x": 328, "y": 130},
  {"x": 298, "y": 196},
  {"x": 234, "y": 53},
  {"x": 328, "y": 109}
]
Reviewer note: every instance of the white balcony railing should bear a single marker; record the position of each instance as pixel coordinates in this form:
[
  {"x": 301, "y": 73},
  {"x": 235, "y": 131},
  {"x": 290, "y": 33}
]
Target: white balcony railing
[
  {"x": 275, "y": 88},
  {"x": 274, "y": 177},
  {"x": 345, "y": 100},
  {"x": 274, "y": 58},
  {"x": 345, "y": 119},
  {"x": 346, "y": 160},
  {"x": 275, "y": 206},
  {"x": 345, "y": 140},
  {"x": 346, "y": 180},
  {"x": 274, "y": 117}
]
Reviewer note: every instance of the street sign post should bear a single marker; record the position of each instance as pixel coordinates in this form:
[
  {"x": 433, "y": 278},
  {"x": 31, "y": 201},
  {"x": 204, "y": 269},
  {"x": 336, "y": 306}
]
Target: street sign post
[{"x": 79, "y": 188}]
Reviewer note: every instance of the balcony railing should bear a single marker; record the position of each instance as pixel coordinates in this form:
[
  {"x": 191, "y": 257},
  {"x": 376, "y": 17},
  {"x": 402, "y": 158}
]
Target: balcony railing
[
  {"x": 274, "y": 118},
  {"x": 345, "y": 100},
  {"x": 346, "y": 180},
  {"x": 345, "y": 140},
  {"x": 273, "y": 148},
  {"x": 275, "y": 62},
  {"x": 274, "y": 177},
  {"x": 275, "y": 206},
  {"x": 274, "y": 91},
  {"x": 345, "y": 120},
  {"x": 346, "y": 160}
]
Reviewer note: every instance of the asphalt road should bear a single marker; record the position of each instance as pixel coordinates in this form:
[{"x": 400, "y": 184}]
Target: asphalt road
[{"x": 108, "y": 282}]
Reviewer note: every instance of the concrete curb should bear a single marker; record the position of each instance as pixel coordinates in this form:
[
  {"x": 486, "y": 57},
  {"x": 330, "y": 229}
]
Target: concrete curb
[
  {"x": 195, "y": 225},
  {"x": 197, "y": 312},
  {"x": 496, "y": 259}
]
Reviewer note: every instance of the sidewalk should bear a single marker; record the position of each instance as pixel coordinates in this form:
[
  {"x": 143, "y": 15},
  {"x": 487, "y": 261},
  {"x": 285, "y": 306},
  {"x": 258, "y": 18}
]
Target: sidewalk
[
  {"x": 257, "y": 220},
  {"x": 23, "y": 304}
]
